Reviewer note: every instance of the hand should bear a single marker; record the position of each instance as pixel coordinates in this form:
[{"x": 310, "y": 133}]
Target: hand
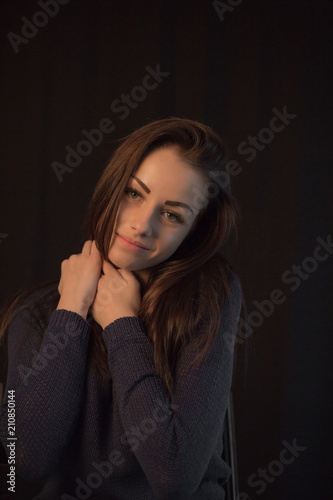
[
  {"x": 79, "y": 277},
  {"x": 118, "y": 295}
]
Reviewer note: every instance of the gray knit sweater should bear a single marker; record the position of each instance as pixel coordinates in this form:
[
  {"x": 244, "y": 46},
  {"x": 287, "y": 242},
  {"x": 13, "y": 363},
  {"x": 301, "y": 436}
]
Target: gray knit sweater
[{"x": 85, "y": 440}]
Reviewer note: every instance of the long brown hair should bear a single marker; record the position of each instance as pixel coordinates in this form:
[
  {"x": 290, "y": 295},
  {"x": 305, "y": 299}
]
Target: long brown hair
[
  {"x": 186, "y": 293},
  {"x": 188, "y": 288}
]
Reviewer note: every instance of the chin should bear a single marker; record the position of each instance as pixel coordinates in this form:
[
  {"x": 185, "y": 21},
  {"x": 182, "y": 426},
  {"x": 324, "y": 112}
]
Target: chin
[{"x": 125, "y": 263}]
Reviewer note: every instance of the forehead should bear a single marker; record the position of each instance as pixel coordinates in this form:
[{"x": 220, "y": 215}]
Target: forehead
[{"x": 171, "y": 178}]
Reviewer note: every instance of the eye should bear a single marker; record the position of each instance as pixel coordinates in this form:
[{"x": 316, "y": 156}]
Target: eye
[
  {"x": 174, "y": 217},
  {"x": 132, "y": 193}
]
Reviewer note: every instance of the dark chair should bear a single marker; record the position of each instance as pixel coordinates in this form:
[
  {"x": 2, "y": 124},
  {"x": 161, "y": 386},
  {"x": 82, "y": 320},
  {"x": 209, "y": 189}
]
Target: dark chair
[{"x": 229, "y": 452}]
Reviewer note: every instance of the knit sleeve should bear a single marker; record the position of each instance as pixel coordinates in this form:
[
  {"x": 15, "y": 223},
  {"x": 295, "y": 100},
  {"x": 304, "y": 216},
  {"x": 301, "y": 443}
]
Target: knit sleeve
[
  {"x": 46, "y": 371},
  {"x": 173, "y": 438}
]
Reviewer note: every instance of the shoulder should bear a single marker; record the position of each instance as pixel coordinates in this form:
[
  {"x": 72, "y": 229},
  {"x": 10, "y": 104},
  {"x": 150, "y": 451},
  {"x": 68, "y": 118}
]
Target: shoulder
[
  {"x": 221, "y": 292},
  {"x": 229, "y": 289},
  {"x": 25, "y": 317},
  {"x": 40, "y": 294},
  {"x": 35, "y": 304},
  {"x": 235, "y": 288},
  {"x": 224, "y": 273}
]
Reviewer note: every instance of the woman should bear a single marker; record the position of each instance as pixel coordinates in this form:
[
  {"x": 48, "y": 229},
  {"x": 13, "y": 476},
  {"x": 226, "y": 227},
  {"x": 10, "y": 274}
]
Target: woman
[{"x": 122, "y": 371}]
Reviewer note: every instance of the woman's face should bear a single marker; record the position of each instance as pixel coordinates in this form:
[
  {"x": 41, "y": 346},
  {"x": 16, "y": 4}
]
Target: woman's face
[{"x": 157, "y": 211}]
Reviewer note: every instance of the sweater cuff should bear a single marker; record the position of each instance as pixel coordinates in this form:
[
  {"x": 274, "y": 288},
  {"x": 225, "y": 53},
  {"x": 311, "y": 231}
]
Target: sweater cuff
[
  {"x": 70, "y": 321},
  {"x": 125, "y": 331},
  {"x": 130, "y": 324}
]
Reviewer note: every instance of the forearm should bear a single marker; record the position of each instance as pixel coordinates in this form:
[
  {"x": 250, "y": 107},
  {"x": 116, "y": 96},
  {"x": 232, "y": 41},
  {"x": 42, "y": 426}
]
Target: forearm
[
  {"x": 172, "y": 438},
  {"x": 48, "y": 383}
]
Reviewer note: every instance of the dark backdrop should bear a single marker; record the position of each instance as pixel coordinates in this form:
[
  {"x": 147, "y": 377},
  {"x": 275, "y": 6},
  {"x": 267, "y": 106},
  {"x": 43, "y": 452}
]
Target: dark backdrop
[{"x": 233, "y": 65}]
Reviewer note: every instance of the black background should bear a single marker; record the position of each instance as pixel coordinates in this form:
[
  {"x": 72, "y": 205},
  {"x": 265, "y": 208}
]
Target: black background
[{"x": 230, "y": 70}]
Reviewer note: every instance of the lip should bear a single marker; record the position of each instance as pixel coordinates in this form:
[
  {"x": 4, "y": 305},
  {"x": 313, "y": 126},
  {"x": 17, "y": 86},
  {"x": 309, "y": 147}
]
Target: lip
[{"x": 131, "y": 244}]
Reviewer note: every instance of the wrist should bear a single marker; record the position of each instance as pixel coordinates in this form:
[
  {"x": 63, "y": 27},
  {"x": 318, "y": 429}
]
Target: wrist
[{"x": 73, "y": 306}]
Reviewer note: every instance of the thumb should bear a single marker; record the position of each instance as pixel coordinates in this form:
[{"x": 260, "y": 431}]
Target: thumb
[{"x": 94, "y": 250}]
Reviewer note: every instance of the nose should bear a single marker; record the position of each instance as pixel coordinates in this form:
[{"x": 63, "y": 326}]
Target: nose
[{"x": 143, "y": 221}]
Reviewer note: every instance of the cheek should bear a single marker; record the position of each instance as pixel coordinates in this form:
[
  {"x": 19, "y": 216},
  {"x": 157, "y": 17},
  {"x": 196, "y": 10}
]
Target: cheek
[{"x": 121, "y": 212}]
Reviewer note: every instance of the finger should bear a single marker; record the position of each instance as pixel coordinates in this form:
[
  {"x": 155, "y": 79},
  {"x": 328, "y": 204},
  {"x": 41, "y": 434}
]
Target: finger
[
  {"x": 94, "y": 246},
  {"x": 94, "y": 250},
  {"x": 86, "y": 249}
]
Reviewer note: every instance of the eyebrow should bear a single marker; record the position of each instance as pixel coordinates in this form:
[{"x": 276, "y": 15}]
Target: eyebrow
[{"x": 168, "y": 202}]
